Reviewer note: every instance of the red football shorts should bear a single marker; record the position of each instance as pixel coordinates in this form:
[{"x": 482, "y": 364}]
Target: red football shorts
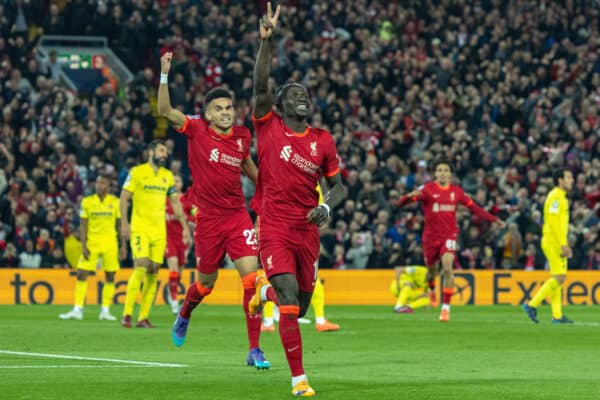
[
  {"x": 435, "y": 248},
  {"x": 290, "y": 250},
  {"x": 233, "y": 234},
  {"x": 176, "y": 248}
]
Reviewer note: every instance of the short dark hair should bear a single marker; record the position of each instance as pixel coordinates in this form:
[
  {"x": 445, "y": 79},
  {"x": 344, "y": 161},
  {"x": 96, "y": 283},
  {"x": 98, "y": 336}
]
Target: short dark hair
[
  {"x": 559, "y": 173},
  {"x": 155, "y": 143},
  {"x": 281, "y": 90},
  {"x": 443, "y": 161},
  {"x": 217, "y": 93}
]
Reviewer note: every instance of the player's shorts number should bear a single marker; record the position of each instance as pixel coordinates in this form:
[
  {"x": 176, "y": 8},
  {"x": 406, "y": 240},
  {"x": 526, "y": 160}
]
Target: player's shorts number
[
  {"x": 250, "y": 235},
  {"x": 451, "y": 244}
]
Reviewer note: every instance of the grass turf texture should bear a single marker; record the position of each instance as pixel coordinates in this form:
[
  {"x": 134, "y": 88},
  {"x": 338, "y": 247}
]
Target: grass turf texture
[{"x": 483, "y": 353}]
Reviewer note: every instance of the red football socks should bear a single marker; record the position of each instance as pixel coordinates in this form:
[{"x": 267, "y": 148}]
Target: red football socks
[
  {"x": 195, "y": 293},
  {"x": 447, "y": 295},
  {"x": 173, "y": 284},
  {"x": 253, "y": 322},
  {"x": 289, "y": 332}
]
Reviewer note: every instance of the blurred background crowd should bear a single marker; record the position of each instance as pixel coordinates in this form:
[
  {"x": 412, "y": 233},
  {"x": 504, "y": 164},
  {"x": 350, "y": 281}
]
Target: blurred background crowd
[{"x": 507, "y": 90}]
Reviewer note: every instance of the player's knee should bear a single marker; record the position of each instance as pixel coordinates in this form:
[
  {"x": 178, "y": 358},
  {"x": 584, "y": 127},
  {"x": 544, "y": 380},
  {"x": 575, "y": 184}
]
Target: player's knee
[
  {"x": 304, "y": 300},
  {"x": 110, "y": 276},
  {"x": 153, "y": 268},
  {"x": 142, "y": 262},
  {"x": 207, "y": 280},
  {"x": 286, "y": 287},
  {"x": 560, "y": 279},
  {"x": 82, "y": 275}
]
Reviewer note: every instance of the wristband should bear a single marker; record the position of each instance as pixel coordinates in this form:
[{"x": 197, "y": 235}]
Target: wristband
[
  {"x": 324, "y": 205},
  {"x": 164, "y": 78}
]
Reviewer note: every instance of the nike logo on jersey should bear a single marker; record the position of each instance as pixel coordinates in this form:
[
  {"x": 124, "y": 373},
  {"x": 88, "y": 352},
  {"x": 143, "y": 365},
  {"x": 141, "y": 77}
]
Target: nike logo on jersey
[{"x": 288, "y": 134}]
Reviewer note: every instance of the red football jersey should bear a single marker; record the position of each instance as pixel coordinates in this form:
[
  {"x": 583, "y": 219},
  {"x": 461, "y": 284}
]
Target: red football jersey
[
  {"x": 439, "y": 209},
  {"x": 174, "y": 228},
  {"x": 289, "y": 167},
  {"x": 215, "y": 161}
]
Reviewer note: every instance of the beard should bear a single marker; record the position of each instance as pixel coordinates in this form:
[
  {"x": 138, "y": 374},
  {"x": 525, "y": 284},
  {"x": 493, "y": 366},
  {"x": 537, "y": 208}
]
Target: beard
[{"x": 161, "y": 162}]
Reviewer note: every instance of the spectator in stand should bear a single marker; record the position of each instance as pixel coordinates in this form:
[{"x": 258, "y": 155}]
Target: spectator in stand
[{"x": 29, "y": 258}]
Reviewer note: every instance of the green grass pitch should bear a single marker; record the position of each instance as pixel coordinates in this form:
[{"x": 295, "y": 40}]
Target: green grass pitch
[{"x": 483, "y": 353}]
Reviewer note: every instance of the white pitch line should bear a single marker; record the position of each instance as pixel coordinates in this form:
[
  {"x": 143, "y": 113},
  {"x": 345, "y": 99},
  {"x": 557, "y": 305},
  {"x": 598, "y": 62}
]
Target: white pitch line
[
  {"x": 112, "y": 360},
  {"x": 73, "y": 366}
]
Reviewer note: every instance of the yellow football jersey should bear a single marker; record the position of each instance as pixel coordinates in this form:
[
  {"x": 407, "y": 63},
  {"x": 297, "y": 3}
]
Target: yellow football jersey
[
  {"x": 556, "y": 218},
  {"x": 416, "y": 275},
  {"x": 149, "y": 194},
  {"x": 102, "y": 216}
]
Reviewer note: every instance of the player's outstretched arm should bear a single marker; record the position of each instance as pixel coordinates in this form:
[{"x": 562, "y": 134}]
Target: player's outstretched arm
[
  {"x": 415, "y": 195},
  {"x": 263, "y": 98},
  {"x": 480, "y": 212},
  {"x": 250, "y": 169},
  {"x": 175, "y": 117}
]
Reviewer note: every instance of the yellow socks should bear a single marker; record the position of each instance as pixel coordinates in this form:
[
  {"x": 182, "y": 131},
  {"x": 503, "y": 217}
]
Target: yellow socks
[
  {"x": 545, "y": 291},
  {"x": 148, "y": 296},
  {"x": 80, "y": 291},
  {"x": 133, "y": 287},
  {"x": 107, "y": 294},
  {"x": 556, "y": 302},
  {"x": 318, "y": 301}
]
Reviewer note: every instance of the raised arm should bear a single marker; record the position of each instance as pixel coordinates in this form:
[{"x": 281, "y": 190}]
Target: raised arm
[
  {"x": 263, "y": 98},
  {"x": 175, "y": 117}
]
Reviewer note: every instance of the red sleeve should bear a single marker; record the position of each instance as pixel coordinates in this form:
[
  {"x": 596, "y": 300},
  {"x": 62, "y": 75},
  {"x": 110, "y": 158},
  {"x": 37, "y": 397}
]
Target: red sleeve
[
  {"x": 331, "y": 161},
  {"x": 262, "y": 120},
  {"x": 475, "y": 209},
  {"x": 191, "y": 124},
  {"x": 404, "y": 200}
]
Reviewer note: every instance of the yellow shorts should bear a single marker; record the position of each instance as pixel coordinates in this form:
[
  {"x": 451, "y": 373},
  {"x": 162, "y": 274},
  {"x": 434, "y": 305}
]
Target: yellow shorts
[
  {"x": 558, "y": 264},
  {"x": 152, "y": 246},
  {"x": 109, "y": 254}
]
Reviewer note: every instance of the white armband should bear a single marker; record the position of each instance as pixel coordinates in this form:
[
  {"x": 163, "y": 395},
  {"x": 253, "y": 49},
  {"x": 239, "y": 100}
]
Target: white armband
[{"x": 164, "y": 78}]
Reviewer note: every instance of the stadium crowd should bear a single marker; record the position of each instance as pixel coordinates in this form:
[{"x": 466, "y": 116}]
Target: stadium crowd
[{"x": 507, "y": 90}]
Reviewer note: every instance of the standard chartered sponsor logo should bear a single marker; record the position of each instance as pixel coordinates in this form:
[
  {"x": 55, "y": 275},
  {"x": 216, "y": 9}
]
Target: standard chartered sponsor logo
[
  {"x": 304, "y": 164},
  {"x": 286, "y": 152},
  {"x": 214, "y": 155},
  {"x": 229, "y": 160}
]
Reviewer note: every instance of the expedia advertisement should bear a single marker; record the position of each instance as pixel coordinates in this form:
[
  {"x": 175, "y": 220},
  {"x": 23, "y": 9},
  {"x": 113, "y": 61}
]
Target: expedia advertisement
[{"x": 22, "y": 286}]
